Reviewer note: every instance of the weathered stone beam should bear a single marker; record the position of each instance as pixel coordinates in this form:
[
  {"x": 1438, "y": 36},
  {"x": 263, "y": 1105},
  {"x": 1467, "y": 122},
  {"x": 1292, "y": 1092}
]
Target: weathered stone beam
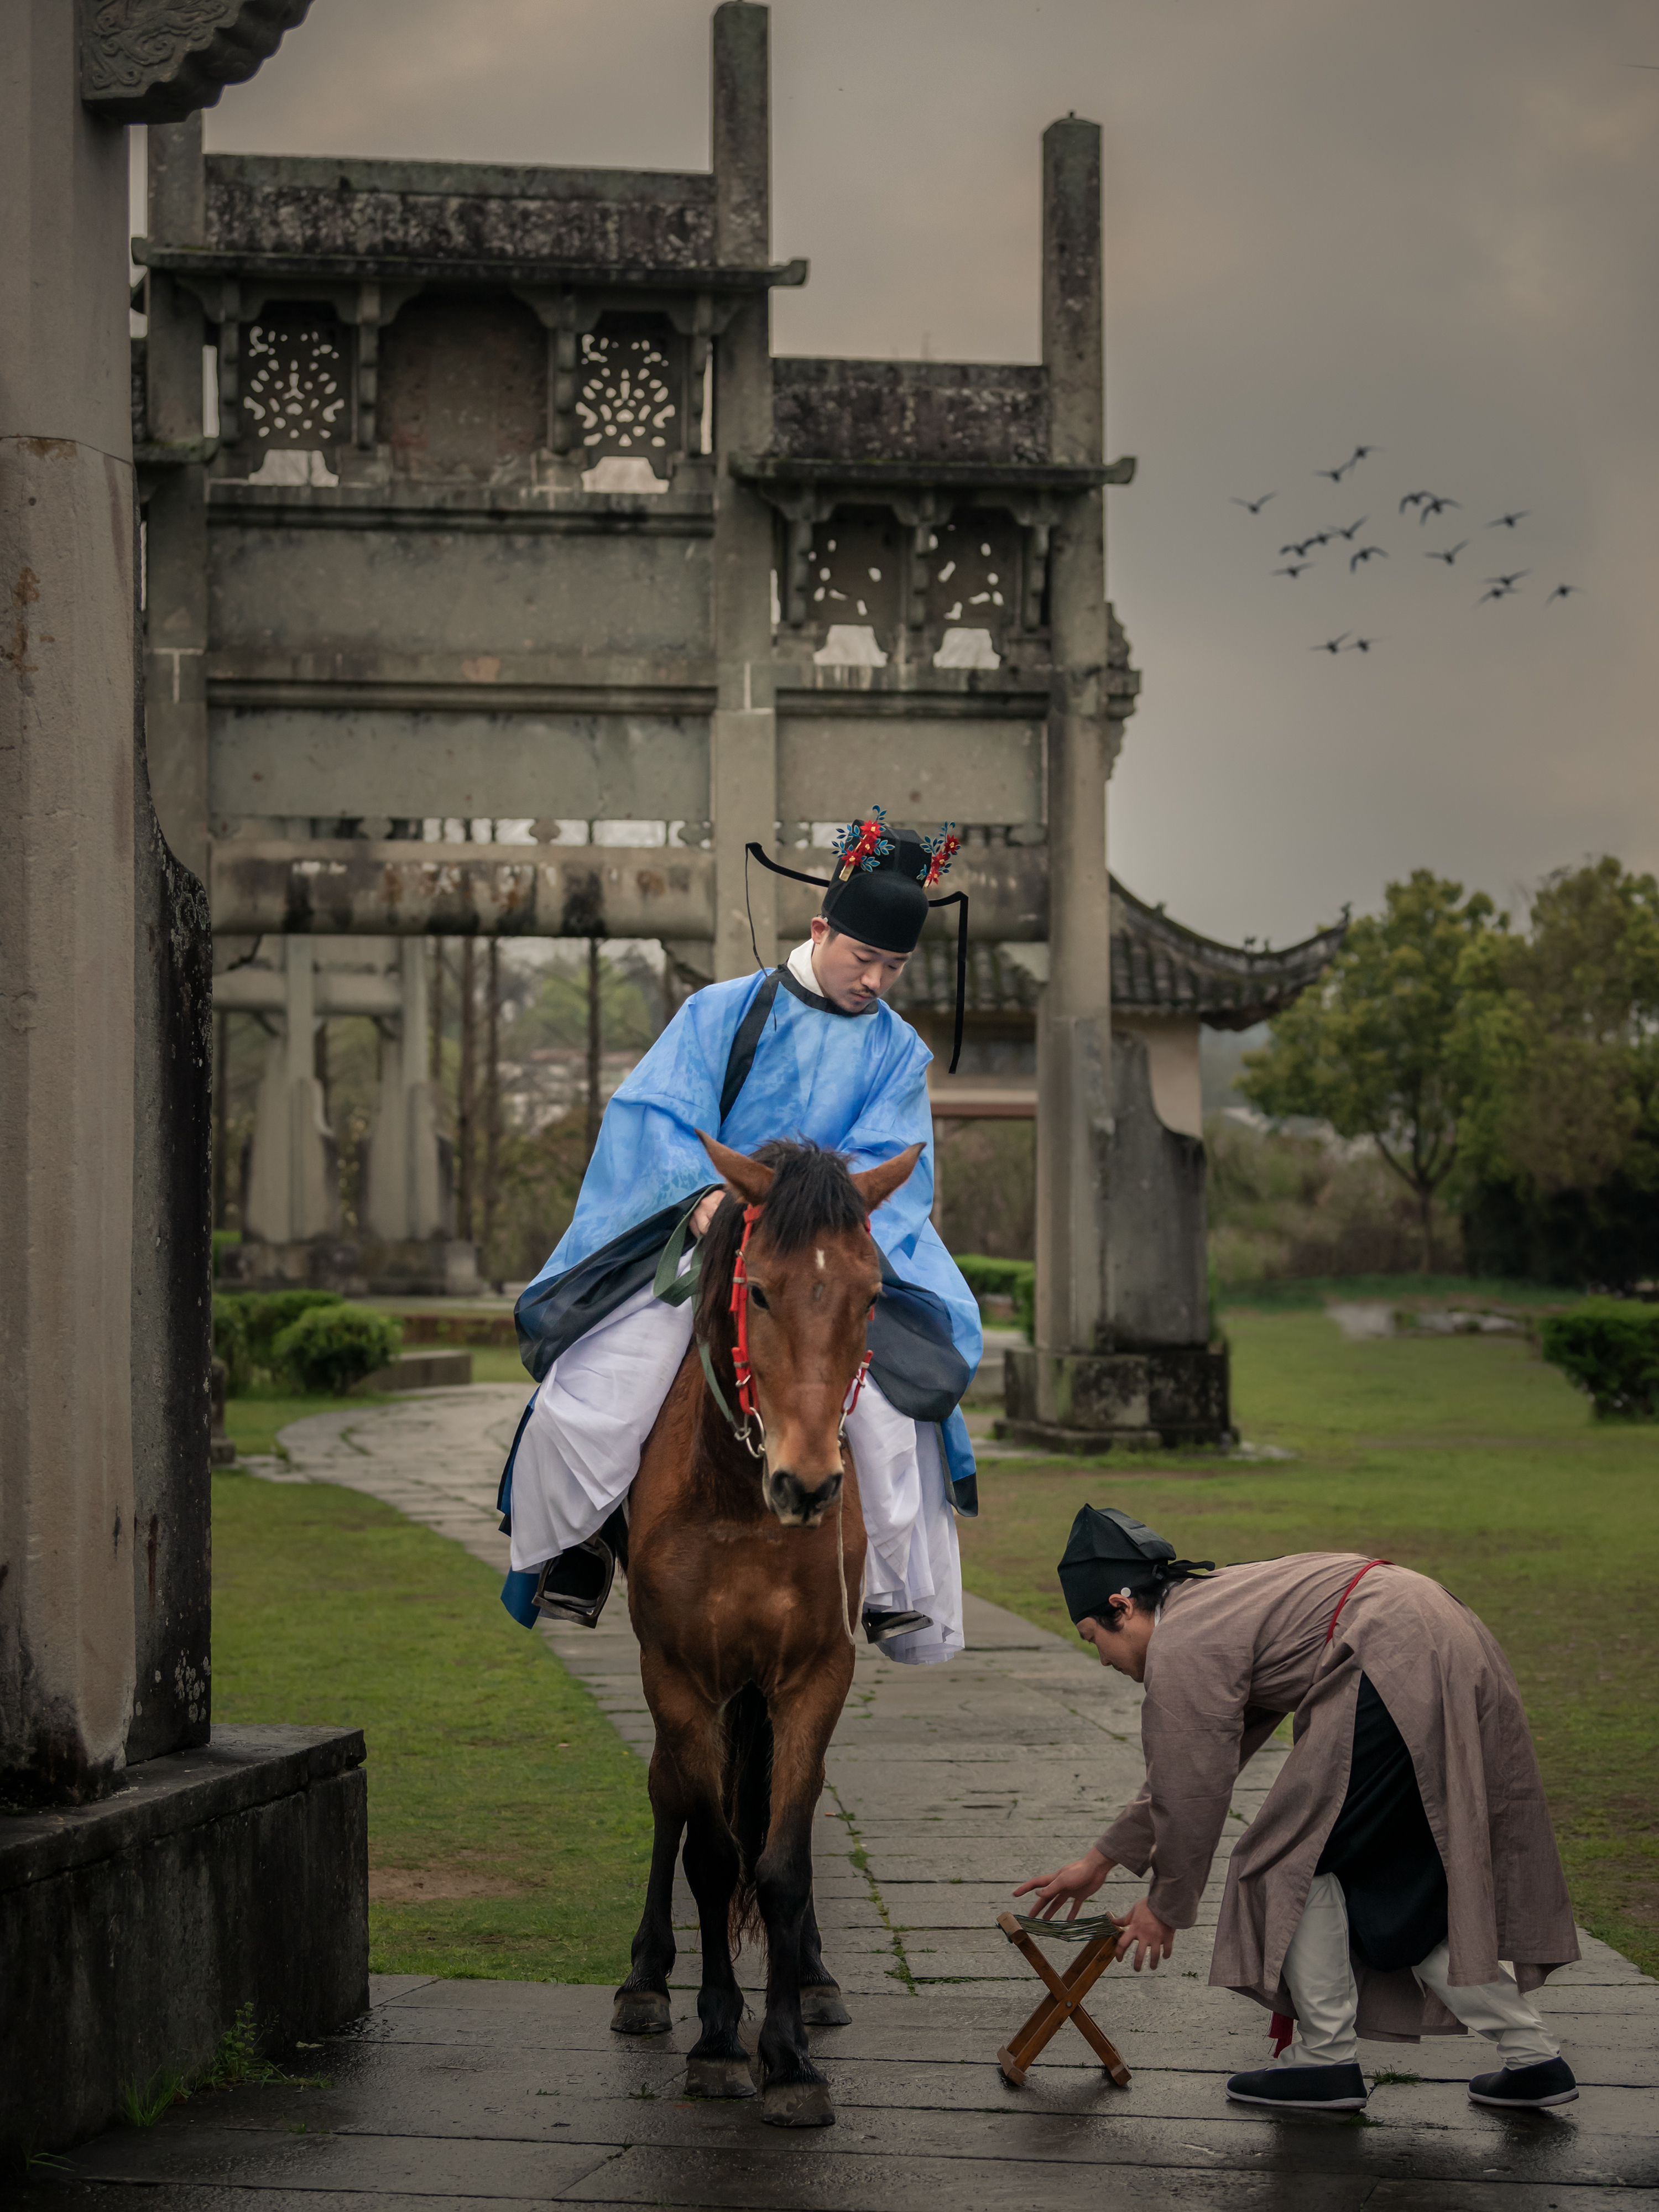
[
  {"x": 263, "y": 991},
  {"x": 358, "y": 887}
]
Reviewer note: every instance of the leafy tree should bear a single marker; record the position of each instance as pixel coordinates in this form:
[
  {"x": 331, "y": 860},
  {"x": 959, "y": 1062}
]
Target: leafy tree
[
  {"x": 1562, "y": 1038},
  {"x": 1561, "y": 1051},
  {"x": 1374, "y": 1047}
]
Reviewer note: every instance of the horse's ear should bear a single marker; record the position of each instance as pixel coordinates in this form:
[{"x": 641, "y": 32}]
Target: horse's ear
[
  {"x": 875, "y": 1186},
  {"x": 746, "y": 1179}
]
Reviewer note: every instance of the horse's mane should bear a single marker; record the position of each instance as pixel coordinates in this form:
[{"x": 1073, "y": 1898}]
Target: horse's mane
[{"x": 812, "y": 1196}]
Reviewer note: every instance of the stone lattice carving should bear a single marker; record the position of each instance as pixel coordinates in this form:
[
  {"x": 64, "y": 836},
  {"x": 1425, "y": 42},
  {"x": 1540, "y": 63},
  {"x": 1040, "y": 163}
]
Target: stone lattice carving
[
  {"x": 158, "y": 61},
  {"x": 294, "y": 387},
  {"x": 628, "y": 396},
  {"x": 974, "y": 574},
  {"x": 853, "y": 576}
]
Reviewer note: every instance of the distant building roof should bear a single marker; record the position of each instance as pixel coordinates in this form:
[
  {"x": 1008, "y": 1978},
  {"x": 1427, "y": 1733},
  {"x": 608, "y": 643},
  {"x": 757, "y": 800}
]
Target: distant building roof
[{"x": 1158, "y": 967}]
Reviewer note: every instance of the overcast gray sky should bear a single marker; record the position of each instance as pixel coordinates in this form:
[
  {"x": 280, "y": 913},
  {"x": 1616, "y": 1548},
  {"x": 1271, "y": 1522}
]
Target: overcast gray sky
[{"x": 1426, "y": 225}]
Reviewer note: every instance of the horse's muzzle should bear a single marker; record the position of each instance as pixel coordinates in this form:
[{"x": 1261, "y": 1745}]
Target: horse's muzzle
[{"x": 796, "y": 1504}]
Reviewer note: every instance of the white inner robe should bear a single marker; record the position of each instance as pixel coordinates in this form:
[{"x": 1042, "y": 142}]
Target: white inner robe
[{"x": 581, "y": 1451}]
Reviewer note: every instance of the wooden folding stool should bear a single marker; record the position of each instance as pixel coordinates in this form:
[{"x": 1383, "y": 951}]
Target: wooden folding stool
[{"x": 1099, "y": 1937}]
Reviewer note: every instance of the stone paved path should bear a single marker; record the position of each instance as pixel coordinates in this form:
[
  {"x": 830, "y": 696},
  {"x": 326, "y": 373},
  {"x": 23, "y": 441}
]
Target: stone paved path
[{"x": 947, "y": 1785}]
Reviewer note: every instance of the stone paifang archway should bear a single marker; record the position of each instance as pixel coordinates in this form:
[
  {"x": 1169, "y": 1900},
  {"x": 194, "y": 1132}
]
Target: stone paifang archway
[{"x": 510, "y": 513}]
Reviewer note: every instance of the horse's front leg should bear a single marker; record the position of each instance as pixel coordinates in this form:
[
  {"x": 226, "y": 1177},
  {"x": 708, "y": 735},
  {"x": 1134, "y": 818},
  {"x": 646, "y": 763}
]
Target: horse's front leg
[
  {"x": 691, "y": 1752},
  {"x": 822, "y": 2004},
  {"x": 641, "y": 2006},
  {"x": 793, "y": 2093}
]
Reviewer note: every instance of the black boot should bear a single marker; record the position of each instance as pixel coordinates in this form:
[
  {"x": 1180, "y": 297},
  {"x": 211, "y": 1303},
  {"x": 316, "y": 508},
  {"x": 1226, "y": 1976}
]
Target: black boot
[
  {"x": 1302, "y": 2088},
  {"x": 576, "y": 1585},
  {"x": 1525, "y": 2088},
  {"x": 881, "y": 1627}
]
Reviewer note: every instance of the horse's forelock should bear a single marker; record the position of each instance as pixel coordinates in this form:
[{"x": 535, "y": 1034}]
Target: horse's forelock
[{"x": 812, "y": 1196}]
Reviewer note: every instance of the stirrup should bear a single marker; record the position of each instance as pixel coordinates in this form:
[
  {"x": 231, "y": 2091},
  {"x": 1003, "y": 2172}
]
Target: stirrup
[
  {"x": 881, "y": 1627},
  {"x": 574, "y": 1585}
]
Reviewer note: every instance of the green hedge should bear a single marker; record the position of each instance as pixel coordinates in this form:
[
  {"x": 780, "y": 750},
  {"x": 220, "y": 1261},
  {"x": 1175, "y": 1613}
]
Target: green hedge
[
  {"x": 1609, "y": 1349},
  {"x": 247, "y": 1325},
  {"x": 332, "y": 1347},
  {"x": 1003, "y": 1279}
]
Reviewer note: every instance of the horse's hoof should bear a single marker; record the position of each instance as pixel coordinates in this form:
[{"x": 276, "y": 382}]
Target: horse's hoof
[
  {"x": 798, "y": 2105},
  {"x": 822, "y": 2006},
  {"x": 641, "y": 2012},
  {"x": 717, "y": 2077}
]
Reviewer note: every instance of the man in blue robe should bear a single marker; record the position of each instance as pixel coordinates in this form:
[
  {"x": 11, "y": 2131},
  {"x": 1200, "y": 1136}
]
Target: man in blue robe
[{"x": 808, "y": 1053}]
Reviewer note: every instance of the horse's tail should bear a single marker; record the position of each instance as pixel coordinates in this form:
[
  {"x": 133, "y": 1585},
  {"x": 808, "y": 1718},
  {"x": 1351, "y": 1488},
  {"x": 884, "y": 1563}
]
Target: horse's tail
[{"x": 748, "y": 1801}]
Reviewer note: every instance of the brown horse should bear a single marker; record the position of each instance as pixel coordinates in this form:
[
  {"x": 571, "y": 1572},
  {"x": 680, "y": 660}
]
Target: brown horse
[{"x": 745, "y": 1556}]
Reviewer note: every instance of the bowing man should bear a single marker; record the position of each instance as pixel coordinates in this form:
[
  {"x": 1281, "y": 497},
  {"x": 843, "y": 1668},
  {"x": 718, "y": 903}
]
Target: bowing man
[
  {"x": 811, "y": 1052},
  {"x": 1400, "y": 1878}
]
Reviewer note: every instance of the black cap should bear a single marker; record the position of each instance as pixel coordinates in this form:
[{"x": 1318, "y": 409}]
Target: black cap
[
  {"x": 1108, "y": 1552},
  {"x": 880, "y": 900}
]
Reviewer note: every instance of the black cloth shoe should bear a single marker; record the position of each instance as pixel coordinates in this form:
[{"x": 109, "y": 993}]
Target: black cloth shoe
[
  {"x": 881, "y": 1627},
  {"x": 575, "y": 1586},
  {"x": 1525, "y": 2088},
  {"x": 1302, "y": 2088}
]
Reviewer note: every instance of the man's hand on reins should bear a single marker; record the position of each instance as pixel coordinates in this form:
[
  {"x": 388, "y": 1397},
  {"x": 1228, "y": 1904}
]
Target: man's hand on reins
[
  {"x": 1077, "y": 1881},
  {"x": 1149, "y": 1938},
  {"x": 708, "y": 1207}
]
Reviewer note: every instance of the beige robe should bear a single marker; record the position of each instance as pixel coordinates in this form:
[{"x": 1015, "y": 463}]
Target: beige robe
[{"x": 1235, "y": 1652}]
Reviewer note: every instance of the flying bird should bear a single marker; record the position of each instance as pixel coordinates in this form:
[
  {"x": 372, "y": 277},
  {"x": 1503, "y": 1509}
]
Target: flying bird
[
  {"x": 1364, "y": 452},
  {"x": 1435, "y": 505},
  {"x": 1510, "y": 582},
  {"x": 1295, "y": 569},
  {"x": 1297, "y": 552},
  {"x": 1331, "y": 645},
  {"x": 1255, "y": 506},
  {"x": 1497, "y": 593},
  {"x": 1508, "y": 521},
  {"x": 1414, "y": 498},
  {"x": 1361, "y": 645},
  {"x": 1366, "y": 553},
  {"x": 1336, "y": 475},
  {"x": 1449, "y": 555},
  {"x": 1352, "y": 527},
  {"x": 1561, "y": 592}
]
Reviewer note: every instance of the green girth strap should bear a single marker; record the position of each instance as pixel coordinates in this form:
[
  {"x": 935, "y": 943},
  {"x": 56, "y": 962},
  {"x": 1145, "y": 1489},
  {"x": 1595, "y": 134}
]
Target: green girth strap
[{"x": 668, "y": 1284}]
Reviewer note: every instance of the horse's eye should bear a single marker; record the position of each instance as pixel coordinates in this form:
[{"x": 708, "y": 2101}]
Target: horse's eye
[{"x": 759, "y": 1297}]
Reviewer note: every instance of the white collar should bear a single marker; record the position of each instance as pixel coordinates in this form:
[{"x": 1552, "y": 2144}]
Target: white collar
[{"x": 799, "y": 964}]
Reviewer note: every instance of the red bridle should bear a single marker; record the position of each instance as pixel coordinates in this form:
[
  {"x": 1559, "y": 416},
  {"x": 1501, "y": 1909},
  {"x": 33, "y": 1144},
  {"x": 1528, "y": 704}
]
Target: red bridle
[{"x": 748, "y": 1411}]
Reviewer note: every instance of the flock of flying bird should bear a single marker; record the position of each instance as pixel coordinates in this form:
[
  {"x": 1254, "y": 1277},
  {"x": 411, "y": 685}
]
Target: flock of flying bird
[{"x": 1297, "y": 555}]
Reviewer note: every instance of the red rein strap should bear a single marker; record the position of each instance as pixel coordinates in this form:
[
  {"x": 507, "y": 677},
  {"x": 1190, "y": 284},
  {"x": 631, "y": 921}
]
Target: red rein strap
[
  {"x": 743, "y": 1374},
  {"x": 1283, "y": 2029}
]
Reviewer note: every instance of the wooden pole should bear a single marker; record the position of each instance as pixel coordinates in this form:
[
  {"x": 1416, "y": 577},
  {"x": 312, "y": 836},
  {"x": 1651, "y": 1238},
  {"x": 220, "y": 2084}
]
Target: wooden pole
[{"x": 595, "y": 1041}]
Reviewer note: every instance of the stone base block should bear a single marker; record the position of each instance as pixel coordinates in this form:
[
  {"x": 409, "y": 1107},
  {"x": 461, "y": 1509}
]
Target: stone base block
[
  {"x": 425, "y": 1267},
  {"x": 133, "y": 1930},
  {"x": 1090, "y": 1401}
]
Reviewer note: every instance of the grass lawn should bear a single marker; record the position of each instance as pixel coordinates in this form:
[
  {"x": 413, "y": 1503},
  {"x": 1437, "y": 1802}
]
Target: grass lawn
[
  {"x": 509, "y": 1832},
  {"x": 1464, "y": 1457}
]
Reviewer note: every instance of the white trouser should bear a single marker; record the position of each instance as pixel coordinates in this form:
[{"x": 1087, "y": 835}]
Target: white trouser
[
  {"x": 581, "y": 1451},
  {"x": 1319, "y": 1973}
]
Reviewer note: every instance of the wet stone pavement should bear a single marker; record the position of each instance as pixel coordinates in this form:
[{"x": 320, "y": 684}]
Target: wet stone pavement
[{"x": 947, "y": 1785}]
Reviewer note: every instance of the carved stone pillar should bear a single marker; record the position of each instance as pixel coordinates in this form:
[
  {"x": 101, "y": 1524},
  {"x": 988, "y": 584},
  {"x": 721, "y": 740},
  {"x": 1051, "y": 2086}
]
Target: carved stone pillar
[{"x": 743, "y": 738}]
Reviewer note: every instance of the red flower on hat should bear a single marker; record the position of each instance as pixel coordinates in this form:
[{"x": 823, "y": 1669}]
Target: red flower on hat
[
  {"x": 940, "y": 851},
  {"x": 863, "y": 844}
]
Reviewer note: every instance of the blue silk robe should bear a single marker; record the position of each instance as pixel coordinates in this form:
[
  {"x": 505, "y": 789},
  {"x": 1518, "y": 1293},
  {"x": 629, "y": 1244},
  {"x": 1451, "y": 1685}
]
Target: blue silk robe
[{"x": 854, "y": 1082}]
